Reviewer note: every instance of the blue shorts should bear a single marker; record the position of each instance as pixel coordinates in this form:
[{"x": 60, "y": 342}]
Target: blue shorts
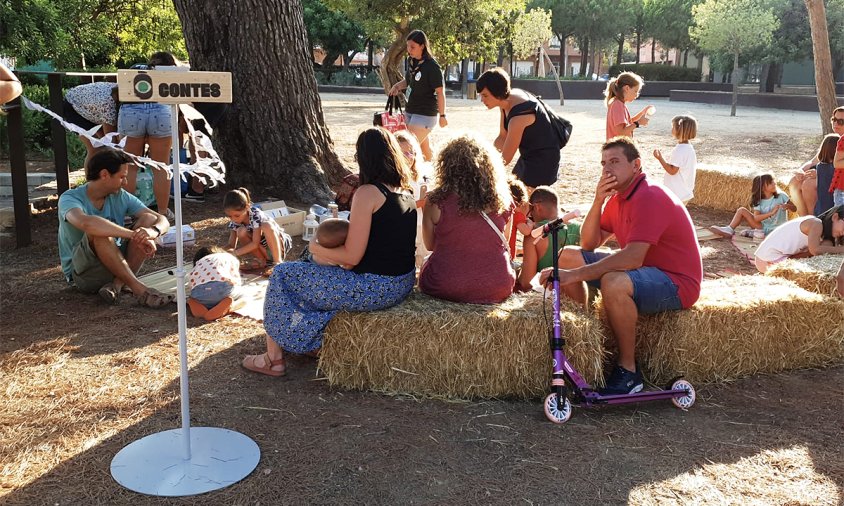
[
  {"x": 653, "y": 290},
  {"x": 210, "y": 294},
  {"x": 428, "y": 122},
  {"x": 146, "y": 119}
]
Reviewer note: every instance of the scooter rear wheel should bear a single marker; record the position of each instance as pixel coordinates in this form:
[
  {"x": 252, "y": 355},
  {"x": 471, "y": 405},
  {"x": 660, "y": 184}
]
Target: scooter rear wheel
[
  {"x": 554, "y": 412},
  {"x": 686, "y": 401}
]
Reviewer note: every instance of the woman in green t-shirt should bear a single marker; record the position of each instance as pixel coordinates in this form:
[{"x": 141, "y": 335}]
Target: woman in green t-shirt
[{"x": 426, "y": 91}]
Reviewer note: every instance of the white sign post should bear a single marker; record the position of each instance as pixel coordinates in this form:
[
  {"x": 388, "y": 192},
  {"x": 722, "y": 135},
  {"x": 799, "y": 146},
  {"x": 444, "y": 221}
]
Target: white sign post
[{"x": 181, "y": 462}]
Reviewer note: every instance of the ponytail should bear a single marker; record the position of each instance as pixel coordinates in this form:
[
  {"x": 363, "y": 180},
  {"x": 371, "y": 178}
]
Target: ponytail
[{"x": 237, "y": 199}]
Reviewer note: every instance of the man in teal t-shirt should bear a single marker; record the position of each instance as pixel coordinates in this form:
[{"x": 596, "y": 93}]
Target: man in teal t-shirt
[{"x": 99, "y": 254}]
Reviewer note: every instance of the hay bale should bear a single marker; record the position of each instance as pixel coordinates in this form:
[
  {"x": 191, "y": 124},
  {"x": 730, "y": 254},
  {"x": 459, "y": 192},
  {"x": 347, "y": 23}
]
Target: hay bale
[
  {"x": 436, "y": 348},
  {"x": 726, "y": 188},
  {"x": 815, "y": 274},
  {"x": 741, "y": 326}
]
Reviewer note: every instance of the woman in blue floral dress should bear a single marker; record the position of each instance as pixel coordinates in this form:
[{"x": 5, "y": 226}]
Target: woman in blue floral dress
[{"x": 302, "y": 297}]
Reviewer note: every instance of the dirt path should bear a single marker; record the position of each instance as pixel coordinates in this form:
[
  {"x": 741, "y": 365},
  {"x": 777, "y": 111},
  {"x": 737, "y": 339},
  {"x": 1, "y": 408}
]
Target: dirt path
[{"x": 81, "y": 380}]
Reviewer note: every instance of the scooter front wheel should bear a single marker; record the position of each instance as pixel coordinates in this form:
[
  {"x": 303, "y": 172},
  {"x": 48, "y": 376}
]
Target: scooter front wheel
[
  {"x": 686, "y": 401},
  {"x": 556, "y": 413}
]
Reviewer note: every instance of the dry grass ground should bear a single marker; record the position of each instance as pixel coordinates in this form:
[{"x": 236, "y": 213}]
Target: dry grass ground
[{"x": 81, "y": 379}]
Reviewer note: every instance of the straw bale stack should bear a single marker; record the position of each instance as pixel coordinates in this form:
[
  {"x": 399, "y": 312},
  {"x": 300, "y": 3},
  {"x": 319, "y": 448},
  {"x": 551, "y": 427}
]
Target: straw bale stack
[
  {"x": 740, "y": 326},
  {"x": 436, "y": 348},
  {"x": 726, "y": 188},
  {"x": 815, "y": 274}
]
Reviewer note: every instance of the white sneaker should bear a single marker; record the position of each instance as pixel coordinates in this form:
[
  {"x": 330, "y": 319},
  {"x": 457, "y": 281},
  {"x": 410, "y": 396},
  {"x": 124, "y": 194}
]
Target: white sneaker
[{"x": 722, "y": 231}]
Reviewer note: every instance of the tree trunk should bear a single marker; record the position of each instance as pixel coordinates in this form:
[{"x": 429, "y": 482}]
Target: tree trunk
[
  {"x": 735, "y": 84},
  {"x": 391, "y": 65},
  {"x": 273, "y": 138},
  {"x": 510, "y": 55},
  {"x": 768, "y": 78},
  {"x": 620, "y": 50},
  {"x": 638, "y": 45},
  {"x": 824, "y": 81},
  {"x": 686, "y": 58},
  {"x": 564, "y": 57},
  {"x": 653, "y": 50},
  {"x": 500, "y": 60},
  {"x": 370, "y": 55},
  {"x": 584, "y": 55}
]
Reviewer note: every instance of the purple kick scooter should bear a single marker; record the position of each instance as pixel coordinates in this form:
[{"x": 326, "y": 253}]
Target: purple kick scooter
[{"x": 557, "y": 405}]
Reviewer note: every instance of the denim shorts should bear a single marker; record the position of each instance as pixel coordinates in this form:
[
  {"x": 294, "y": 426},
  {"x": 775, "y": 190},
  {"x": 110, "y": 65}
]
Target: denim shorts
[
  {"x": 146, "y": 119},
  {"x": 838, "y": 197},
  {"x": 210, "y": 294},
  {"x": 428, "y": 122},
  {"x": 653, "y": 290}
]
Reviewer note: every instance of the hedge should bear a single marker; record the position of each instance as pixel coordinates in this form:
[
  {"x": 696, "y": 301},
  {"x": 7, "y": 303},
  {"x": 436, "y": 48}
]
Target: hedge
[{"x": 658, "y": 72}]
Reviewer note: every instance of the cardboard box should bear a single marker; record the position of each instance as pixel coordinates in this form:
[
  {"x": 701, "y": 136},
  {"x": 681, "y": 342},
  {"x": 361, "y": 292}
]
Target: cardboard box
[
  {"x": 168, "y": 240},
  {"x": 290, "y": 218}
]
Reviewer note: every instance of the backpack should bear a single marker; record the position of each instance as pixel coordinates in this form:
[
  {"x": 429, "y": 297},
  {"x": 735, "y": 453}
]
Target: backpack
[
  {"x": 561, "y": 126},
  {"x": 346, "y": 191}
]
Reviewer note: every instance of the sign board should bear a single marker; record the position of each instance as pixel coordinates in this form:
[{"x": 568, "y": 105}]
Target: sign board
[{"x": 173, "y": 86}]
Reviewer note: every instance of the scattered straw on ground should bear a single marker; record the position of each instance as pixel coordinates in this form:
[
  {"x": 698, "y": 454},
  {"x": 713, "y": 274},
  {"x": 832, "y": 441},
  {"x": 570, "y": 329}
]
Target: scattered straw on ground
[
  {"x": 433, "y": 347},
  {"x": 742, "y": 325},
  {"x": 785, "y": 475},
  {"x": 815, "y": 274}
]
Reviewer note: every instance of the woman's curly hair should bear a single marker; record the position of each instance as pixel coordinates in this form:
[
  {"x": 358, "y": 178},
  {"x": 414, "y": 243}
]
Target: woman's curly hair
[{"x": 474, "y": 171}]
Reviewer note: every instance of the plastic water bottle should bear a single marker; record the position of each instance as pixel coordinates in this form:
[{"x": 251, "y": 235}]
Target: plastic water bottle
[
  {"x": 309, "y": 227},
  {"x": 143, "y": 187}
]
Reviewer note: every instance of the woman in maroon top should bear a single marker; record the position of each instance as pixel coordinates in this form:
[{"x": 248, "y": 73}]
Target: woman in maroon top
[{"x": 470, "y": 261}]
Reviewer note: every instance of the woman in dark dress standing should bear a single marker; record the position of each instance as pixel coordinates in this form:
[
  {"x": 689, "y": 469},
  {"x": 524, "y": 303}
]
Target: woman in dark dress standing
[{"x": 525, "y": 127}]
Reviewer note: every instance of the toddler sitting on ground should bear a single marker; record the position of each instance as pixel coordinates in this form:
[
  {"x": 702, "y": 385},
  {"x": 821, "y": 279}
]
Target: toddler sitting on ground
[{"x": 331, "y": 233}]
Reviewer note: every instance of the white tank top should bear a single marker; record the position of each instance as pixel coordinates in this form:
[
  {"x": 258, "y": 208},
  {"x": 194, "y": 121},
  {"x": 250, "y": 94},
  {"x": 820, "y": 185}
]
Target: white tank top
[{"x": 784, "y": 241}]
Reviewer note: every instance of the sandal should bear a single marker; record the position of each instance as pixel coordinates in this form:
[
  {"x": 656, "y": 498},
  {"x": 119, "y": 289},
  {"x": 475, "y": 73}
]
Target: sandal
[
  {"x": 152, "y": 298},
  {"x": 249, "y": 363},
  {"x": 110, "y": 293}
]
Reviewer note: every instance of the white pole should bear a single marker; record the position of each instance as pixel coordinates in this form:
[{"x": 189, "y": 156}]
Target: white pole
[{"x": 180, "y": 283}]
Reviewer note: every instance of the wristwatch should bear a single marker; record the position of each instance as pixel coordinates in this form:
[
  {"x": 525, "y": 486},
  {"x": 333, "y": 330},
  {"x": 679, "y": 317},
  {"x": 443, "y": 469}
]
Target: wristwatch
[
  {"x": 637, "y": 124},
  {"x": 442, "y": 115},
  {"x": 155, "y": 227}
]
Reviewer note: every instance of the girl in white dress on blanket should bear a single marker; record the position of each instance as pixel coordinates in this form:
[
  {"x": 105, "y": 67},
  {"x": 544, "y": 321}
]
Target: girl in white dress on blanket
[{"x": 804, "y": 236}]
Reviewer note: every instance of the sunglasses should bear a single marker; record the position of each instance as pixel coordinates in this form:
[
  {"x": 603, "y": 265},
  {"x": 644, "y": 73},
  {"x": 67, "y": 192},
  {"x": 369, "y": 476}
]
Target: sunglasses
[{"x": 837, "y": 121}]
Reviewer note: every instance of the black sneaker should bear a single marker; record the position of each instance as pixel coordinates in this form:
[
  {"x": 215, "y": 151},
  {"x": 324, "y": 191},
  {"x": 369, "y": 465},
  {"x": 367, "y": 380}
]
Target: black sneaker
[
  {"x": 622, "y": 381},
  {"x": 193, "y": 196}
]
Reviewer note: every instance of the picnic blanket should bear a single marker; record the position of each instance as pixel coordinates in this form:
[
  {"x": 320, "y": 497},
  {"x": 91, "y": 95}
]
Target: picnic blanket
[
  {"x": 250, "y": 303},
  {"x": 746, "y": 246}
]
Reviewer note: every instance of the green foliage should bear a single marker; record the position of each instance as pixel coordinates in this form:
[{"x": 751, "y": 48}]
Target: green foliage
[
  {"x": 372, "y": 79},
  {"x": 332, "y": 30},
  {"x": 36, "y": 125},
  {"x": 76, "y": 151},
  {"x": 671, "y": 22},
  {"x": 344, "y": 78},
  {"x": 146, "y": 27},
  {"x": 532, "y": 30},
  {"x": 657, "y": 72},
  {"x": 71, "y": 33},
  {"x": 456, "y": 30},
  {"x": 733, "y": 27}
]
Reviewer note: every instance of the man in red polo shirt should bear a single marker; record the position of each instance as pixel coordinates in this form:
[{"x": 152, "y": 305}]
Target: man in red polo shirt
[{"x": 658, "y": 267}]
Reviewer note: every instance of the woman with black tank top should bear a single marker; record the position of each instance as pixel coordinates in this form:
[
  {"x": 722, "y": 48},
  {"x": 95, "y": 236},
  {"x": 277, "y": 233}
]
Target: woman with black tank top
[
  {"x": 524, "y": 126},
  {"x": 302, "y": 297}
]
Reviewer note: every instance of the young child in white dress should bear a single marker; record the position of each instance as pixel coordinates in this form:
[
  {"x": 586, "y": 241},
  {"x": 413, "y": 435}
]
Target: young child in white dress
[{"x": 681, "y": 166}]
